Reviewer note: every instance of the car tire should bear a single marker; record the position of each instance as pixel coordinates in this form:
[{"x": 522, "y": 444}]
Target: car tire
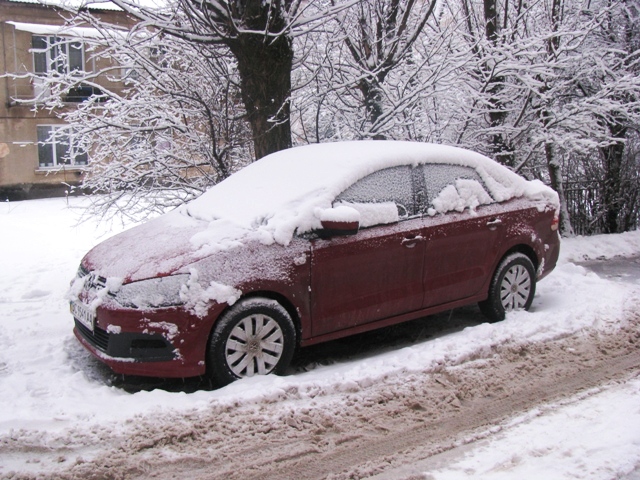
[
  {"x": 256, "y": 336},
  {"x": 513, "y": 287}
]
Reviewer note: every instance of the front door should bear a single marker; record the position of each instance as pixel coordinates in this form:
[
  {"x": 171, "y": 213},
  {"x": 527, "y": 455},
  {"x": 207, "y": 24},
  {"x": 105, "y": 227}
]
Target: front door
[
  {"x": 376, "y": 273},
  {"x": 372, "y": 275}
]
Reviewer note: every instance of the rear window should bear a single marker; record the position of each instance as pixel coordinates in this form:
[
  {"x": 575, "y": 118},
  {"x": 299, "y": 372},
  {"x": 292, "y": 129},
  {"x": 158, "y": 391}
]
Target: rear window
[{"x": 453, "y": 188}]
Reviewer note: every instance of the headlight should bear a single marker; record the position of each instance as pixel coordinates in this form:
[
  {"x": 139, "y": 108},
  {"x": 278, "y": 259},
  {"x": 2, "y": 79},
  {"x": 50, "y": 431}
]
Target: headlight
[{"x": 152, "y": 293}]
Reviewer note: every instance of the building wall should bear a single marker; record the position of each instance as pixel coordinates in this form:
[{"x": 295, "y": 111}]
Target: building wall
[{"x": 20, "y": 173}]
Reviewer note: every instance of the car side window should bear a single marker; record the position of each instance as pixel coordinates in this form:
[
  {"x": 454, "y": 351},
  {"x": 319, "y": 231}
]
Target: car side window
[
  {"x": 385, "y": 187},
  {"x": 453, "y": 188}
]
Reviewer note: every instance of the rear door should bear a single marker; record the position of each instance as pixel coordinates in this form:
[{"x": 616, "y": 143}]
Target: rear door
[
  {"x": 463, "y": 228},
  {"x": 378, "y": 272}
]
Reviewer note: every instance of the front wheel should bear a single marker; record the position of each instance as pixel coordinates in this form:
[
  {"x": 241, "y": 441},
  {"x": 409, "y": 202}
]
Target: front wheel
[
  {"x": 512, "y": 287},
  {"x": 254, "y": 337}
]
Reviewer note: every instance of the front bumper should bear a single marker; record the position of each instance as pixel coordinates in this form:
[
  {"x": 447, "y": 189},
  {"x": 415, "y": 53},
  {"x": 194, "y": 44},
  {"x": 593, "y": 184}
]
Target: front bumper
[
  {"x": 167, "y": 342},
  {"x": 135, "y": 346}
]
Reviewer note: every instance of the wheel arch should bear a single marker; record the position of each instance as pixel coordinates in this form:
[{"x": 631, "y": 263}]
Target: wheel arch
[
  {"x": 281, "y": 299},
  {"x": 524, "y": 249}
]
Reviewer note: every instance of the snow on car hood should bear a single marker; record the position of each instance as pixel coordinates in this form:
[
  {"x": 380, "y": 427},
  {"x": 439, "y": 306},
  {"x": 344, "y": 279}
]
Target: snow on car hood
[{"x": 156, "y": 248}]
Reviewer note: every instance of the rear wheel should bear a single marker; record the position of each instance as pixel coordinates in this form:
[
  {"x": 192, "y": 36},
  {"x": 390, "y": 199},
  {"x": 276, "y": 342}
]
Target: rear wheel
[
  {"x": 255, "y": 337},
  {"x": 512, "y": 287}
]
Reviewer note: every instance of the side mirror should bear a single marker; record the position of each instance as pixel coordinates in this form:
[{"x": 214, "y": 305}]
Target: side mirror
[{"x": 341, "y": 220}]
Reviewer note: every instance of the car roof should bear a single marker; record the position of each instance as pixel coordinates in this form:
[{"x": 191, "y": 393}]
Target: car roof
[{"x": 280, "y": 192}]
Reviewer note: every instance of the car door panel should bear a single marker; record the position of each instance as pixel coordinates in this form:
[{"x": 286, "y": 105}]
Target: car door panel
[
  {"x": 374, "y": 274},
  {"x": 460, "y": 251}
]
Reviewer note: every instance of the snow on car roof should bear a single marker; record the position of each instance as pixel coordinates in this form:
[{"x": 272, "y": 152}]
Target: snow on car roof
[{"x": 280, "y": 193}]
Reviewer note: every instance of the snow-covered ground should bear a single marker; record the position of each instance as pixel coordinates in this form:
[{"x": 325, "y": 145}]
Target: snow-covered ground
[
  {"x": 592, "y": 437},
  {"x": 53, "y": 393}
]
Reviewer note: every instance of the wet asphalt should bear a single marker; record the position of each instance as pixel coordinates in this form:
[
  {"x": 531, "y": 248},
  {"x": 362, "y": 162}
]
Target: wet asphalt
[{"x": 624, "y": 269}]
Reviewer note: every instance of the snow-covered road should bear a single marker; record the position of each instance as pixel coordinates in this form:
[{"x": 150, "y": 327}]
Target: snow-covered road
[{"x": 59, "y": 416}]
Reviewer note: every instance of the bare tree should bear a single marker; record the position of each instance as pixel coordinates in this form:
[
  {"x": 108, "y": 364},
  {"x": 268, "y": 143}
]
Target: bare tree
[
  {"x": 171, "y": 133},
  {"x": 379, "y": 35},
  {"x": 161, "y": 118},
  {"x": 259, "y": 35},
  {"x": 620, "y": 34},
  {"x": 371, "y": 72},
  {"x": 551, "y": 89},
  {"x": 540, "y": 84},
  {"x": 201, "y": 78}
]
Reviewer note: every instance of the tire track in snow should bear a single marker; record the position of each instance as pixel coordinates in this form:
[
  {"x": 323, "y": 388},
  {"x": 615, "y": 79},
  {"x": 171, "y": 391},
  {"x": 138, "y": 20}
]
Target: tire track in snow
[{"x": 439, "y": 436}]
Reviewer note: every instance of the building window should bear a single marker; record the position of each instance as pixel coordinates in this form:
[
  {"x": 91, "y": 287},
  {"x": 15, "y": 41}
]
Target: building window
[
  {"x": 56, "y": 147},
  {"x": 57, "y": 54}
]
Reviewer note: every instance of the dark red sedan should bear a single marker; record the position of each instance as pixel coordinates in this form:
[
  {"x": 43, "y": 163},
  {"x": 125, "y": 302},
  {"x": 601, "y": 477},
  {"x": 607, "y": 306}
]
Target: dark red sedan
[{"x": 308, "y": 245}]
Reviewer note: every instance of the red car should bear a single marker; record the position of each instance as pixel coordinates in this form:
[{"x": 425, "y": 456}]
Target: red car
[{"x": 308, "y": 245}]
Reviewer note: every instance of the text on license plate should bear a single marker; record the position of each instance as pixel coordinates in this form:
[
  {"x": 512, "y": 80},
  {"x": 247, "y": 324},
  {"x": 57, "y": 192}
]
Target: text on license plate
[{"x": 83, "y": 314}]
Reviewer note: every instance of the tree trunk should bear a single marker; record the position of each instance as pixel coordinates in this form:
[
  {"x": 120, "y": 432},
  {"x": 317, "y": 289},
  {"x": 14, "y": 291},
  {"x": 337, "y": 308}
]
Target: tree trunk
[
  {"x": 264, "y": 65},
  {"x": 613, "y": 156},
  {"x": 500, "y": 149},
  {"x": 372, "y": 94},
  {"x": 553, "y": 166},
  {"x": 555, "y": 175}
]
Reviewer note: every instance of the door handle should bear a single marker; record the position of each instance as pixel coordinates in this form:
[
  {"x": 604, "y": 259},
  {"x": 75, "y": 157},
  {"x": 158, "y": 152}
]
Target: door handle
[
  {"x": 411, "y": 242},
  {"x": 493, "y": 224}
]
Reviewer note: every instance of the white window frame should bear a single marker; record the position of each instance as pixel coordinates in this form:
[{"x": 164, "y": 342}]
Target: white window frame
[
  {"x": 56, "y": 56},
  {"x": 56, "y": 135}
]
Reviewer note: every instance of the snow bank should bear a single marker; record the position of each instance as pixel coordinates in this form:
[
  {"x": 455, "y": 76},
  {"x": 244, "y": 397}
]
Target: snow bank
[{"x": 580, "y": 248}]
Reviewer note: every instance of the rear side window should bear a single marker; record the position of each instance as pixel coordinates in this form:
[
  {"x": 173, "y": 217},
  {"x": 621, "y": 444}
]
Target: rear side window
[
  {"x": 453, "y": 188},
  {"x": 390, "y": 185}
]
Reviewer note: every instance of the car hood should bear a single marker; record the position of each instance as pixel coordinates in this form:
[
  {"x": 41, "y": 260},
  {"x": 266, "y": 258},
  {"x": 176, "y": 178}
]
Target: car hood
[
  {"x": 218, "y": 270},
  {"x": 159, "y": 247}
]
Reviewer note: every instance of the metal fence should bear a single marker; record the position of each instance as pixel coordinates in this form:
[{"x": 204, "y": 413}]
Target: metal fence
[{"x": 586, "y": 209}]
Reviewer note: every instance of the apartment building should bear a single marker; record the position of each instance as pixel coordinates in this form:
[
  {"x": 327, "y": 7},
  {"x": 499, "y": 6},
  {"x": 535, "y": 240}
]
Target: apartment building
[{"x": 36, "y": 157}]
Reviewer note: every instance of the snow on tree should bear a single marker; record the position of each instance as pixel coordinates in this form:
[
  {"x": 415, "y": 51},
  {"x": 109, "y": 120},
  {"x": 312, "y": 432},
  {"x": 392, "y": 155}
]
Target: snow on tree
[
  {"x": 615, "y": 97},
  {"x": 550, "y": 89},
  {"x": 201, "y": 79},
  {"x": 259, "y": 35},
  {"x": 370, "y": 72},
  {"x": 522, "y": 101},
  {"x": 166, "y": 124}
]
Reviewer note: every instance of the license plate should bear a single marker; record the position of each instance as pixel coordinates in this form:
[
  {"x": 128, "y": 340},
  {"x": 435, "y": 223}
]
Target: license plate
[{"x": 83, "y": 314}]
